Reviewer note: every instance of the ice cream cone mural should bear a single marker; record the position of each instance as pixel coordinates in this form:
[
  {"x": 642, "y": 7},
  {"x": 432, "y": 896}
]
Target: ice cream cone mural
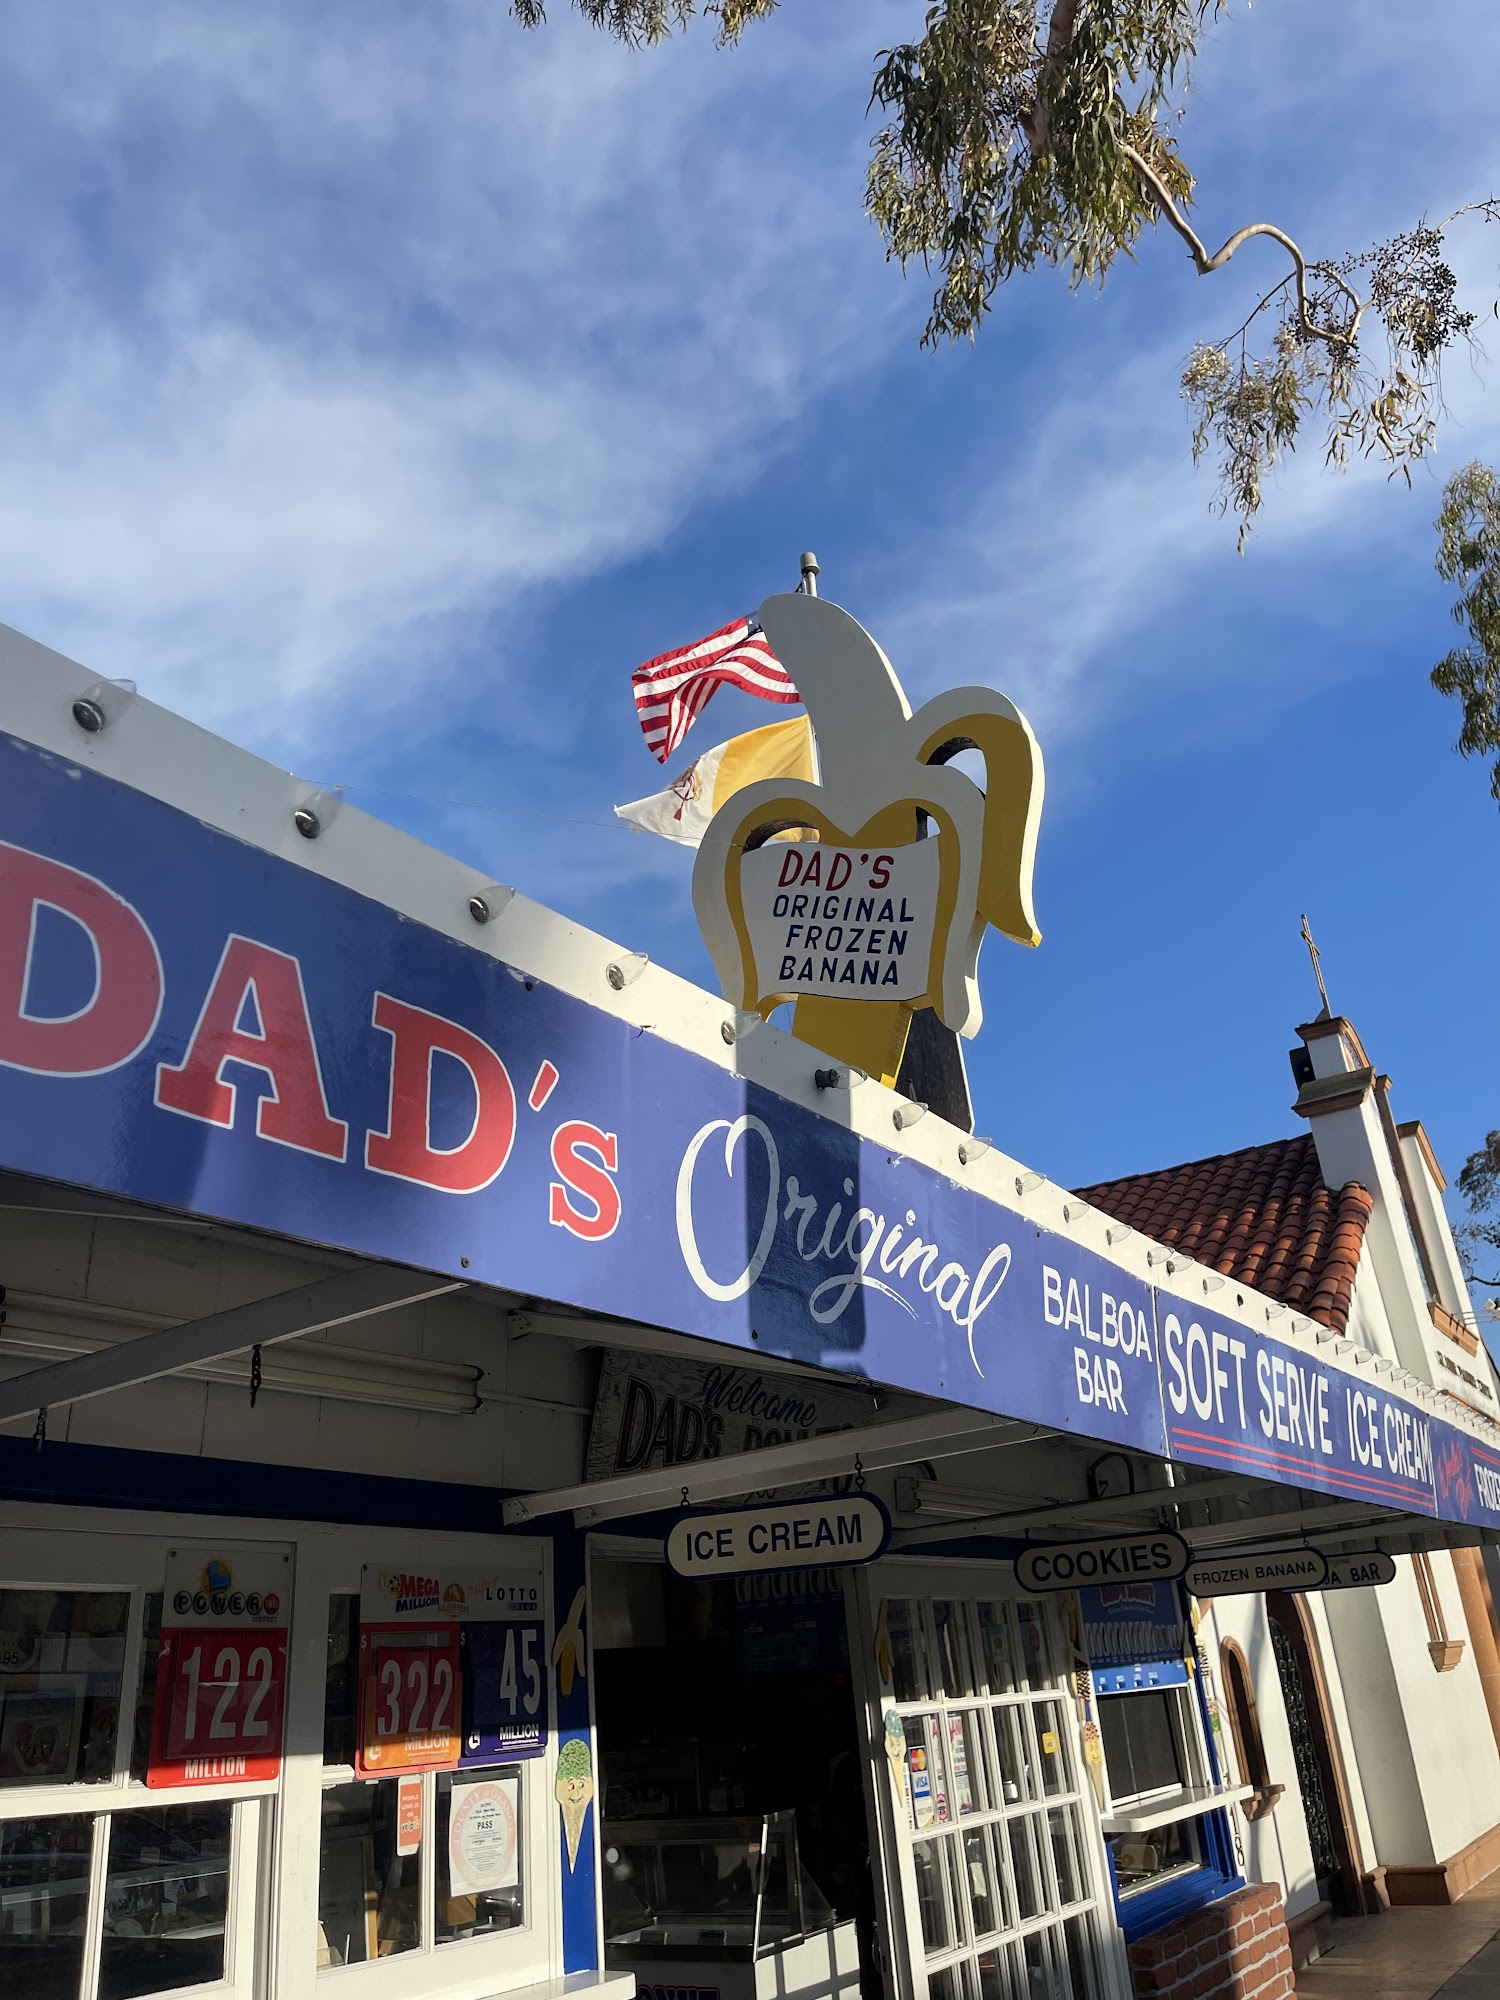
[
  {"x": 574, "y": 1791},
  {"x": 883, "y": 909}
]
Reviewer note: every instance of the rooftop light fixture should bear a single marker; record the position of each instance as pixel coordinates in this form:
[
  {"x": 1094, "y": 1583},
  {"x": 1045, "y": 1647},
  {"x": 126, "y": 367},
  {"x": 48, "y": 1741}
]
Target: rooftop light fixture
[
  {"x": 102, "y": 703},
  {"x": 486, "y": 904},
  {"x": 317, "y": 811},
  {"x": 626, "y": 969}
]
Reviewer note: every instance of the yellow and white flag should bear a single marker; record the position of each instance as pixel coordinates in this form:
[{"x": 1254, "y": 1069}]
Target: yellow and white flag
[{"x": 683, "y": 810}]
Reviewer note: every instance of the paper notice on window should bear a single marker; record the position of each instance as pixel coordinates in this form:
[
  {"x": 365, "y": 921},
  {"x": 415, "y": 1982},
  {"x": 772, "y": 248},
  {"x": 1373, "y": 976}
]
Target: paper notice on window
[{"x": 483, "y": 1836}]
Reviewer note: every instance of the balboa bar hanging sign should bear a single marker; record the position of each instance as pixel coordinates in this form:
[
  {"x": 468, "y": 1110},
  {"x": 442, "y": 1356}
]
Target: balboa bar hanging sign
[
  {"x": 1259, "y": 1569},
  {"x": 800, "y": 1534},
  {"x": 1149, "y": 1558},
  {"x": 1360, "y": 1569}
]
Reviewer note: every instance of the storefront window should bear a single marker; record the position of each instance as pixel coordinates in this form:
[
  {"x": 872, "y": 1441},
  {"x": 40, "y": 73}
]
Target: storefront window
[
  {"x": 479, "y": 1842},
  {"x": 145, "y": 1687},
  {"x": 1141, "y": 1745},
  {"x": 340, "y": 1687},
  {"x": 44, "y": 1901},
  {"x": 1149, "y": 1755},
  {"x": 62, "y": 1662},
  {"x": 166, "y": 1900},
  {"x": 369, "y": 1895},
  {"x": 911, "y": 1673},
  {"x": 1144, "y": 1858}
]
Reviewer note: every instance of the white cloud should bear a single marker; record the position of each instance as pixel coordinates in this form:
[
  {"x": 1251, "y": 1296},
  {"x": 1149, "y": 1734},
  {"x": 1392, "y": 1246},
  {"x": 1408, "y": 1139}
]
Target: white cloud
[{"x": 328, "y": 326}]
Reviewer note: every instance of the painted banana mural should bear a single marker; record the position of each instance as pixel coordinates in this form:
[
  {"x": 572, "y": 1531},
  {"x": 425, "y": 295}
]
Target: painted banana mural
[{"x": 884, "y": 912}]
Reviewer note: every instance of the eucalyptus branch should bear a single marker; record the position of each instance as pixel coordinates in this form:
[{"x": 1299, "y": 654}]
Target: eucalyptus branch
[
  {"x": 1037, "y": 122},
  {"x": 1161, "y": 194}
]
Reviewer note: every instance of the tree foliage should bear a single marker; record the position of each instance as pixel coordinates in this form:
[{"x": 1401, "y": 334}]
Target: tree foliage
[
  {"x": 1019, "y": 133},
  {"x": 1479, "y": 1240},
  {"x": 1469, "y": 555}
]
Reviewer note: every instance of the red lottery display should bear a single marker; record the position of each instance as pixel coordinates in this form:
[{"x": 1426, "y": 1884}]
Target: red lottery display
[
  {"x": 410, "y": 1712},
  {"x": 221, "y": 1671}
]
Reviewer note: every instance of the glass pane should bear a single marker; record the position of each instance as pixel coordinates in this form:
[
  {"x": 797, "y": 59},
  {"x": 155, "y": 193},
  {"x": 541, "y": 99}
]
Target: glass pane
[
  {"x": 954, "y": 1657},
  {"x": 166, "y": 1900},
  {"x": 44, "y": 1900},
  {"x": 145, "y": 1687},
  {"x": 1025, "y": 1876},
  {"x": 369, "y": 1896},
  {"x": 1140, "y": 1743},
  {"x": 1078, "y": 1943},
  {"x": 966, "y": 1764},
  {"x": 932, "y": 1903},
  {"x": 993, "y": 1984},
  {"x": 1031, "y": 1633},
  {"x": 479, "y": 1827},
  {"x": 1140, "y": 1858},
  {"x": 1061, "y": 1832},
  {"x": 62, "y": 1659},
  {"x": 1047, "y": 1722},
  {"x": 911, "y": 1677},
  {"x": 339, "y": 1691},
  {"x": 1038, "y": 1962},
  {"x": 979, "y": 1870},
  {"x": 997, "y": 1653},
  {"x": 925, "y": 1766},
  {"x": 1012, "y": 1770}
]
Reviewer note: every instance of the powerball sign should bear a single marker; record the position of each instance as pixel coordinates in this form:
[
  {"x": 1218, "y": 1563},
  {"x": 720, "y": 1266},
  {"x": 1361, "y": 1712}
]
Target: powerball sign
[{"x": 221, "y": 1669}]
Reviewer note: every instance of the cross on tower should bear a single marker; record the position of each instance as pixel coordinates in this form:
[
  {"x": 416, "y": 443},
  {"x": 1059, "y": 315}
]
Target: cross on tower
[{"x": 1316, "y": 956}]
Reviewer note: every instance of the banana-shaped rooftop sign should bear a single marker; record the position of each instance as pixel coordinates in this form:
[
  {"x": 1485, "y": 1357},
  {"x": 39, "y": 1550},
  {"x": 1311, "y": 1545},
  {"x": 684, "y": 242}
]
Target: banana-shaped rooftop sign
[{"x": 885, "y": 909}]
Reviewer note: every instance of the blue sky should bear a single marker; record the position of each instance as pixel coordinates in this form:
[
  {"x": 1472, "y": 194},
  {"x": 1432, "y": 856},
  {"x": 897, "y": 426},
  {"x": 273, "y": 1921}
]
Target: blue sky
[{"x": 382, "y": 384}]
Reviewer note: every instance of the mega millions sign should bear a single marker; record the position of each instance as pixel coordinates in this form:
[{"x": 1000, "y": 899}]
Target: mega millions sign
[{"x": 190, "y": 1021}]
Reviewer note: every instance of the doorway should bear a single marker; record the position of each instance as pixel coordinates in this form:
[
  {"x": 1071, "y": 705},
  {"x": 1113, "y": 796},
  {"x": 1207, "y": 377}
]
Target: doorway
[
  {"x": 731, "y": 1781},
  {"x": 1320, "y": 1777}
]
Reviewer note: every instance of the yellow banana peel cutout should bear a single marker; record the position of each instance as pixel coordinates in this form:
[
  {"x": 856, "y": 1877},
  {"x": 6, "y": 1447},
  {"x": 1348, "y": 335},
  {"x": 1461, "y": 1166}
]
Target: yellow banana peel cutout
[{"x": 869, "y": 921}]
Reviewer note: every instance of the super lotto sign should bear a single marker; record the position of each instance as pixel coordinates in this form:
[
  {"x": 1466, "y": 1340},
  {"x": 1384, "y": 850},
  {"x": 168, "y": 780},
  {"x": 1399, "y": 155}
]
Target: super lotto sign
[{"x": 221, "y": 1669}]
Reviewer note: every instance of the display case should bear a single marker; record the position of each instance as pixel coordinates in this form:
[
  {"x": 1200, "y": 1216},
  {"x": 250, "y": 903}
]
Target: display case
[{"x": 722, "y": 1905}]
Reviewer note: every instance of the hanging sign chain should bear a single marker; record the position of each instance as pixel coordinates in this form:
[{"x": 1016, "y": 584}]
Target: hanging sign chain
[{"x": 254, "y": 1373}]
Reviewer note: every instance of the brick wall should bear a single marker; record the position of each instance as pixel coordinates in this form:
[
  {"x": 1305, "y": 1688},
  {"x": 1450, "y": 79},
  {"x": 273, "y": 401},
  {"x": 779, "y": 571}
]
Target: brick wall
[{"x": 1235, "y": 1949}]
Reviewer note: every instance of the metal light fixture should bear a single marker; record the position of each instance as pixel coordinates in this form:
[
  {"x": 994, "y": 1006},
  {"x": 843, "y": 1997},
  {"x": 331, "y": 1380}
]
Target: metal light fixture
[
  {"x": 102, "y": 703},
  {"x": 907, "y": 1114},
  {"x": 317, "y": 811},
  {"x": 486, "y": 904},
  {"x": 745, "y": 1022},
  {"x": 973, "y": 1148},
  {"x": 626, "y": 969}
]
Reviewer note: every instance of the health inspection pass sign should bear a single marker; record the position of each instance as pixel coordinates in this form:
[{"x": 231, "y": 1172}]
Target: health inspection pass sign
[
  {"x": 221, "y": 1669},
  {"x": 802, "y": 1534},
  {"x": 1066, "y": 1565}
]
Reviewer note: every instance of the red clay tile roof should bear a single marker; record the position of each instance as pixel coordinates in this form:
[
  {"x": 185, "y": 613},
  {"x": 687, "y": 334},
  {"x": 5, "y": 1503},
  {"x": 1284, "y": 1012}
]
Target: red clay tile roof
[{"x": 1262, "y": 1215}]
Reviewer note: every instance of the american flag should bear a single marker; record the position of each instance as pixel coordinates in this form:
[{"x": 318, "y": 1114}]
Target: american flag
[{"x": 673, "y": 690}]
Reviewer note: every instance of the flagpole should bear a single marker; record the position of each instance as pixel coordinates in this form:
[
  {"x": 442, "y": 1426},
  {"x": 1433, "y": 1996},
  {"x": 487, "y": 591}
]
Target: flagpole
[{"x": 809, "y": 573}]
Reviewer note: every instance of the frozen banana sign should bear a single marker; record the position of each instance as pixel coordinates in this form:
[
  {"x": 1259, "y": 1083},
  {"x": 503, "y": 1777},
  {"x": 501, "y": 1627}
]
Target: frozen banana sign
[
  {"x": 851, "y": 922},
  {"x": 867, "y": 895}
]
